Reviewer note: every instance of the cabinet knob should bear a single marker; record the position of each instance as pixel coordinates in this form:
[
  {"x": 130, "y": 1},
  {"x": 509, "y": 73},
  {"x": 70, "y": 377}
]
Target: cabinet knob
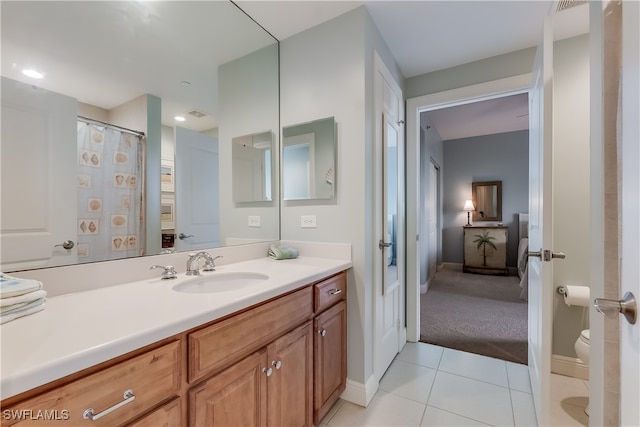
[
  {"x": 322, "y": 332},
  {"x": 277, "y": 364},
  {"x": 267, "y": 371}
]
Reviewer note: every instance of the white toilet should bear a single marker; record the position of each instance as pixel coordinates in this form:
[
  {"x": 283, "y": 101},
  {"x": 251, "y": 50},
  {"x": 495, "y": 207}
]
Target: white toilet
[
  {"x": 582, "y": 350},
  {"x": 582, "y": 346}
]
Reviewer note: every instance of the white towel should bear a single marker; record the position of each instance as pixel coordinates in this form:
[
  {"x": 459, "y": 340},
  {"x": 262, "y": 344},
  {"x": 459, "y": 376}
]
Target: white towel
[
  {"x": 18, "y": 314},
  {"x": 22, "y": 306},
  {"x": 12, "y": 286},
  {"x": 31, "y": 296}
]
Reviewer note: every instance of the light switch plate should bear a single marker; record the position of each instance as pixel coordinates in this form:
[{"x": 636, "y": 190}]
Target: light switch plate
[
  {"x": 254, "y": 221},
  {"x": 308, "y": 221}
]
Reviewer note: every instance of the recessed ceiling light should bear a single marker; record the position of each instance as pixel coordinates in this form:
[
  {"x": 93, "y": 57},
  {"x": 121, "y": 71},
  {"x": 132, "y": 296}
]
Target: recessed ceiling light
[
  {"x": 32, "y": 73},
  {"x": 179, "y": 119}
]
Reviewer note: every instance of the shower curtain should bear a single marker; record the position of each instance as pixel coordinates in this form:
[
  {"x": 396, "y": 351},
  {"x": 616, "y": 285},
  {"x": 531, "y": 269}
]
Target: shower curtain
[{"x": 110, "y": 182}]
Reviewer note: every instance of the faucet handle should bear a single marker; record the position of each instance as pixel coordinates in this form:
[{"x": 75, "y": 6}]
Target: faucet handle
[
  {"x": 168, "y": 273},
  {"x": 210, "y": 264}
]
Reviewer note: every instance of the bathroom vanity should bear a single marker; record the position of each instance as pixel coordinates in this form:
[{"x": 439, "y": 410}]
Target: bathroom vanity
[{"x": 274, "y": 354}]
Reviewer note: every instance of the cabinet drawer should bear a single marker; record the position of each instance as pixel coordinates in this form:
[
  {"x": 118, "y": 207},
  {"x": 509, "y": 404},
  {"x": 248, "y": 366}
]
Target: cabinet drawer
[
  {"x": 330, "y": 291},
  {"x": 217, "y": 346},
  {"x": 153, "y": 377}
]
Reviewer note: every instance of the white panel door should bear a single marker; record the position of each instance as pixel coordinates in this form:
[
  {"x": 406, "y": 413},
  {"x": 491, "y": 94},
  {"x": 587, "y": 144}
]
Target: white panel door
[
  {"x": 389, "y": 264},
  {"x": 630, "y": 209},
  {"x": 39, "y": 177},
  {"x": 197, "y": 191},
  {"x": 540, "y": 224}
]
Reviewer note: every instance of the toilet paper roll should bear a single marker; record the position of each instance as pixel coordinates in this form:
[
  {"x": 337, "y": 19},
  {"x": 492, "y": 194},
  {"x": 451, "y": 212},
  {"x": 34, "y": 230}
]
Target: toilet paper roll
[{"x": 577, "y": 295}]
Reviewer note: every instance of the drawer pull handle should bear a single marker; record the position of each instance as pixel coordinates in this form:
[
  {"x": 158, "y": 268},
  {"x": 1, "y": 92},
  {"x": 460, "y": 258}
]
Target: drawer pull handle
[
  {"x": 322, "y": 332},
  {"x": 277, "y": 364},
  {"x": 128, "y": 397},
  {"x": 335, "y": 291}
]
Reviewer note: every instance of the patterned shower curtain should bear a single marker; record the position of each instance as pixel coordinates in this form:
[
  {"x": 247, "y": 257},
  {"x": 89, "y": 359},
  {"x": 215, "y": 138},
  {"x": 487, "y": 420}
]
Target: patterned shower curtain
[{"x": 110, "y": 197}]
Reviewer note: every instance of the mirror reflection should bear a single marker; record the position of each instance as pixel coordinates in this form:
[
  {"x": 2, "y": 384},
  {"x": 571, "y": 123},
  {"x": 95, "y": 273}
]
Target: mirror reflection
[
  {"x": 308, "y": 160},
  {"x": 252, "y": 169},
  {"x": 123, "y": 143},
  {"x": 487, "y": 198}
]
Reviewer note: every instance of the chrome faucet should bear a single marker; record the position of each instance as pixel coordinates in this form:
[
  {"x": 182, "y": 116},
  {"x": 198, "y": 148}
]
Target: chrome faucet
[
  {"x": 192, "y": 263},
  {"x": 169, "y": 272}
]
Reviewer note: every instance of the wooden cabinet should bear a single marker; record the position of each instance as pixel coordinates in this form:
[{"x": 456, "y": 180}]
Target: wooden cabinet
[
  {"x": 485, "y": 249},
  {"x": 279, "y": 363},
  {"x": 330, "y": 351},
  {"x": 290, "y": 385},
  {"x": 330, "y": 344},
  {"x": 236, "y": 396},
  {"x": 152, "y": 377},
  {"x": 272, "y": 387},
  {"x": 168, "y": 415},
  {"x": 222, "y": 343}
]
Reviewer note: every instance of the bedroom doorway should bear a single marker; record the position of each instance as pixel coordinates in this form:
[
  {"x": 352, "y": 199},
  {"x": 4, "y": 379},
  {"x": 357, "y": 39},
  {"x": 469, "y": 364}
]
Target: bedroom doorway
[
  {"x": 485, "y": 140},
  {"x": 417, "y": 150}
]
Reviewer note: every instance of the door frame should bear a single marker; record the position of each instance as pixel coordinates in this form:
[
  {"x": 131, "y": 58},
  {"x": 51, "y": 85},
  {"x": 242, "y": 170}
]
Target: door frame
[{"x": 415, "y": 106}]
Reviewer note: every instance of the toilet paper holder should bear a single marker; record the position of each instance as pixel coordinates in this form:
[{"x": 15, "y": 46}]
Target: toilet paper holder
[{"x": 561, "y": 290}]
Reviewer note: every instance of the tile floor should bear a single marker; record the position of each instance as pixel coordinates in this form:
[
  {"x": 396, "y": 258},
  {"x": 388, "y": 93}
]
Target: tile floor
[{"x": 428, "y": 385}]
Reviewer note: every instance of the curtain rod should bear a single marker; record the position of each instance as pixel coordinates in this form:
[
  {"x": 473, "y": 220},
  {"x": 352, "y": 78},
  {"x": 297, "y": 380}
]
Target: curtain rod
[{"x": 89, "y": 120}]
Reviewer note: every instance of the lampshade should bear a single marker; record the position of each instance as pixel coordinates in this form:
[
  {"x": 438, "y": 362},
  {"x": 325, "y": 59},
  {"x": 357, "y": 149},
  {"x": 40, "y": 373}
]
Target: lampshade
[{"x": 468, "y": 206}]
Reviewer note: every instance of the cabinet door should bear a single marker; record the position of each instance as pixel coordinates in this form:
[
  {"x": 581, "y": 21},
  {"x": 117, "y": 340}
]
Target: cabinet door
[
  {"x": 236, "y": 396},
  {"x": 168, "y": 415},
  {"x": 290, "y": 386},
  {"x": 330, "y": 352}
]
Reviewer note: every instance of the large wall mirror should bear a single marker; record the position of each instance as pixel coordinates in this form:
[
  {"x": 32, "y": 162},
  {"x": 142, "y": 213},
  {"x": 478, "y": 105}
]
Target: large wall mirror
[
  {"x": 308, "y": 160},
  {"x": 79, "y": 183},
  {"x": 487, "y": 198}
]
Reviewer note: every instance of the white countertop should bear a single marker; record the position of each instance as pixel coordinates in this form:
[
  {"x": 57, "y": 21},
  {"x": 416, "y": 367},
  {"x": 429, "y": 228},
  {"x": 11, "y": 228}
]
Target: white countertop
[{"x": 82, "y": 329}]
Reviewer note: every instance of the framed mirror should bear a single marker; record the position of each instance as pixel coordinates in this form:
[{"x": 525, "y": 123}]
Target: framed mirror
[
  {"x": 487, "y": 198},
  {"x": 308, "y": 160},
  {"x": 189, "y": 75}
]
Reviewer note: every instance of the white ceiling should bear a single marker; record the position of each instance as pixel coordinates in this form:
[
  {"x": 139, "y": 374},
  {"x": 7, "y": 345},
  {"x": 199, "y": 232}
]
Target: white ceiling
[
  {"x": 429, "y": 35},
  {"x": 423, "y": 36}
]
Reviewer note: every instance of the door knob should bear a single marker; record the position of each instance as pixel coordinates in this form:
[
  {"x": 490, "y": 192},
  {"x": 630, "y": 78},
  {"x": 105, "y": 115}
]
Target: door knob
[
  {"x": 67, "y": 244},
  {"x": 611, "y": 307},
  {"x": 547, "y": 255},
  {"x": 183, "y": 236},
  {"x": 383, "y": 244}
]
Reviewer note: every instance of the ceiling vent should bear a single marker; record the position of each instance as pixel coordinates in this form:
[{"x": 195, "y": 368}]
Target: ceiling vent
[
  {"x": 566, "y": 4},
  {"x": 197, "y": 113}
]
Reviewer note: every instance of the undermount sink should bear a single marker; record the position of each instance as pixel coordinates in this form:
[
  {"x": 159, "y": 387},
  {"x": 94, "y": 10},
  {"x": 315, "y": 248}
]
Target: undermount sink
[{"x": 220, "y": 282}]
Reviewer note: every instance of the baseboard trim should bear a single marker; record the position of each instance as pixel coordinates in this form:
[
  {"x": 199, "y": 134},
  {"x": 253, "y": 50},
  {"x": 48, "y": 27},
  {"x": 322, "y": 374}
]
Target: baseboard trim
[
  {"x": 360, "y": 394},
  {"x": 456, "y": 266},
  {"x": 569, "y": 366}
]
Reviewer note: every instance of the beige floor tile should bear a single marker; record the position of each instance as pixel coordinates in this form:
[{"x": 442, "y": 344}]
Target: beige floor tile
[
  {"x": 421, "y": 354},
  {"x": 408, "y": 380},
  {"x": 385, "y": 409}
]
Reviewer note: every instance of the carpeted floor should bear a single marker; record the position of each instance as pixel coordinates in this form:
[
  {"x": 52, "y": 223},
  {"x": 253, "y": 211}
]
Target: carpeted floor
[{"x": 476, "y": 313}]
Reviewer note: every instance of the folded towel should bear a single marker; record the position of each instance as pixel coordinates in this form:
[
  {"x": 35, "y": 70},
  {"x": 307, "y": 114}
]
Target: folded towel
[
  {"x": 21, "y": 306},
  {"x": 12, "y": 316},
  {"x": 283, "y": 252},
  {"x": 24, "y": 298},
  {"x": 12, "y": 286}
]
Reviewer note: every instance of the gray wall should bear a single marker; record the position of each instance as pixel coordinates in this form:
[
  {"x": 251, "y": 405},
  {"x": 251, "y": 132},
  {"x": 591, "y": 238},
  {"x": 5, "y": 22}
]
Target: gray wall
[
  {"x": 500, "y": 157},
  {"x": 328, "y": 71},
  {"x": 486, "y": 70}
]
